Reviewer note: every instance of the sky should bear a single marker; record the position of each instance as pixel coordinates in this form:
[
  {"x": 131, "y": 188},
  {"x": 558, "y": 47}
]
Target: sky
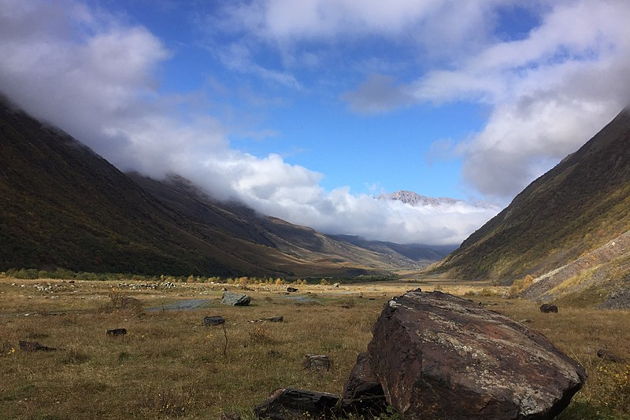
[{"x": 309, "y": 110}]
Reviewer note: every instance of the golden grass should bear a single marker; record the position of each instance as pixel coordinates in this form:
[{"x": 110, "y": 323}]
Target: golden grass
[{"x": 170, "y": 366}]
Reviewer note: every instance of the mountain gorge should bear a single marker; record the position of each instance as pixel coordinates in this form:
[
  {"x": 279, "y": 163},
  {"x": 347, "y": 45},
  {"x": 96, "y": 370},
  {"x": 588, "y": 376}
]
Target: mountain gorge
[
  {"x": 61, "y": 205},
  {"x": 565, "y": 231}
]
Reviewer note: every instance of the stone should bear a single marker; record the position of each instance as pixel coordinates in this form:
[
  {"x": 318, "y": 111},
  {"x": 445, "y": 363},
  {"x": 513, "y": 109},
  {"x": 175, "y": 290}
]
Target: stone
[
  {"x": 31, "y": 346},
  {"x": 609, "y": 356},
  {"x": 363, "y": 394},
  {"x": 273, "y": 319},
  {"x": 117, "y": 332},
  {"x": 336, "y": 285},
  {"x": 210, "y": 321},
  {"x": 547, "y": 308},
  {"x": 317, "y": 362},
  {"x": 291, "y": 289},
  {"x": 270, "y": 319},
  {"x": 290, "y": 404},
  {"x": 235, "y": 299},
  {"x": 438, "y": 356}
]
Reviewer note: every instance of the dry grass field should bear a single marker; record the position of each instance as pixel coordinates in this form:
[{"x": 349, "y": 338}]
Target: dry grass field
[{"x": 169, "y": 365}]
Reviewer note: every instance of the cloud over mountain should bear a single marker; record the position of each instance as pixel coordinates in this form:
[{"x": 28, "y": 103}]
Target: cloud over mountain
[{"x": 95, "y": 76}]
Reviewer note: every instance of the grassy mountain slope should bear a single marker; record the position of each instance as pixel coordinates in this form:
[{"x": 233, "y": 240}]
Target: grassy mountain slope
[
  {"x": 61, "y": 205},
  {"x": 576, "y": 207},
  {"x": 242, "y": 222}
]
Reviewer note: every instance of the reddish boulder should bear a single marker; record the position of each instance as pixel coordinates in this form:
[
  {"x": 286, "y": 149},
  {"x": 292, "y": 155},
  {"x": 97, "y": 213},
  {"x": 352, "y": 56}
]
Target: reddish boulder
[
  {"x": 363, "y": 394},
  {"x": 438, "y": 356}
]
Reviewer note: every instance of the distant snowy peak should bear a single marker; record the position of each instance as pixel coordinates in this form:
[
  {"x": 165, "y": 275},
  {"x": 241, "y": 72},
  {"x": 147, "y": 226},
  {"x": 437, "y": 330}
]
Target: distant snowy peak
[{"x": 417, "y": 200}]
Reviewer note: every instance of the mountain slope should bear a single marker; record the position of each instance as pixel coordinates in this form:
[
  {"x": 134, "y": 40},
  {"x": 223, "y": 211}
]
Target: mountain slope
[
  {"x": 61, "y": 205},
  {"x": 244, "y": 223},
  {"x": 576, "y": 207}
]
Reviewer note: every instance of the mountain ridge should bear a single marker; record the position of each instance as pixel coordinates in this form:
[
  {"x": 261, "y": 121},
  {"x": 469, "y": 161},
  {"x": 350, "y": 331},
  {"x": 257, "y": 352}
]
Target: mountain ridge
[{"x": 573, "y": 209}]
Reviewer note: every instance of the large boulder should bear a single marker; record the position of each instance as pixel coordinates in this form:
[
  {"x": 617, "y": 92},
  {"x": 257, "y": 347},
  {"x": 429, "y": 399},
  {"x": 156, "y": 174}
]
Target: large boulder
[
  {"x": 438, "y": 356},
  {"x": 235, "y": 299},
  {"x": 363, "y": 393}
]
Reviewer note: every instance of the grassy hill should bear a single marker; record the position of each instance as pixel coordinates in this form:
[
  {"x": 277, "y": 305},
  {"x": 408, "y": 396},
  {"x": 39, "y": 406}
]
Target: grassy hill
[
  {"x": 62, "y": 205},
  {"x": 575, "y": 208}
]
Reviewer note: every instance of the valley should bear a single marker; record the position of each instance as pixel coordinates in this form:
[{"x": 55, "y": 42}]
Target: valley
[{"x": 170, "y": 366}]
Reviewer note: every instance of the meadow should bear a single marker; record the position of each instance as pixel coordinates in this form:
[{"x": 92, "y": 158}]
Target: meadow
[{"x": 171, "y": 366}]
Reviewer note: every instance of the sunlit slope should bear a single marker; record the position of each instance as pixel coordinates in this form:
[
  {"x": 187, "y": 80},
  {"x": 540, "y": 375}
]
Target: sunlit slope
[{"x": 576, "y": 207}]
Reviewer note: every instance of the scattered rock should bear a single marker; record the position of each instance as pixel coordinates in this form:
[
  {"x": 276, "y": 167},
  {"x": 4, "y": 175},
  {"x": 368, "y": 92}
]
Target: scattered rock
[
  {"x": 336, "y": 285},
  {"x": 273, "y": 319},
  {"x": 210, "y": 321},
  {"x": 441, "y": 356},
  {"x": 270, "y": 319},
  {"x": 235, "y": 299},
  {"x": 547, "y": 308},
  {"x": 291, "y": 404},
  {"x": 117, "y": 332},
  {"x": 317, "y": 362},
  {"x": 609, "y": 356},
  {"x": 31, "y": 346},
  {"x": 291, "y": 289}
]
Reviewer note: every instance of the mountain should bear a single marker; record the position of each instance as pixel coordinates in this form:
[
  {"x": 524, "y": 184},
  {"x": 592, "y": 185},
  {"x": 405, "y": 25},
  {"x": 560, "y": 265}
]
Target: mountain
[
  {"x": 415, "y": 199},
  {"x": 425, "y": 254},
  {"x": 246, "y": 224},
  {"x": 62, "y": 205},
  {"x": 564, "y": 221}
]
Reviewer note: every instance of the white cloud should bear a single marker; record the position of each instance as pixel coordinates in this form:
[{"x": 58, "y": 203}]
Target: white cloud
[
  {"x": 93, "y": 77},
  {"x": 549, "y": 92}
]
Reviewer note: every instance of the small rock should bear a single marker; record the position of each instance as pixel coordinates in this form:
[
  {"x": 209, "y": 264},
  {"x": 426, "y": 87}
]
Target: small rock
[
  {"x": 291, "y": 289},
  {"x": 117, "y": 332},
  {"x": 336, "y": 285},
  {"x": 317, "y": 362},
  {"x": 235, "y": 299},
  {"x": 547, "y": 308},
  {"x": 525, "y": 321},
  {"x": 273, "y": 319},
  {"x": 230, "y": 416},
  {"x": 210, "y": 321},
  {"x": 31, "y": 346},
  {"x": 609, "y": 356},
  {"x": 290, "y": 404}
]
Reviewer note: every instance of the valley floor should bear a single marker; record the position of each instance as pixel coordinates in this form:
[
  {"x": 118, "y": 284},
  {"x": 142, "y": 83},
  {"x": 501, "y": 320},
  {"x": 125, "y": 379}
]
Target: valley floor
[{"x": 170, "y": 365}]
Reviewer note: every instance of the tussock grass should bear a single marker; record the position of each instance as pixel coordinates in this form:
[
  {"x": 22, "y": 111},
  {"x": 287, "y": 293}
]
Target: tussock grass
[{"x": 170, "y": 366}]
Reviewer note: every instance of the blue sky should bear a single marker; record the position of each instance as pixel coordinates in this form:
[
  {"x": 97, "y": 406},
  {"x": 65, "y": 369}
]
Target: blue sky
[
  {"x": 312, "y": 125},
  {"x": 307, "y": 109}
]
